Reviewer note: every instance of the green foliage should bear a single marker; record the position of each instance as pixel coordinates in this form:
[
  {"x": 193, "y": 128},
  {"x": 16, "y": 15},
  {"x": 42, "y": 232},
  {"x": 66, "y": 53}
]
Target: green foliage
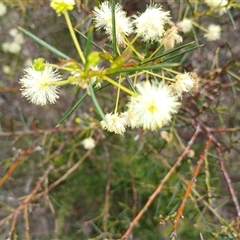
[{"x": 54, "y": 187}]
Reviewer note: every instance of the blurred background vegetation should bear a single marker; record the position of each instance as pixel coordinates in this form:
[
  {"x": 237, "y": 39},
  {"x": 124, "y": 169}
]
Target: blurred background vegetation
[{"x": 95, "y": 194}]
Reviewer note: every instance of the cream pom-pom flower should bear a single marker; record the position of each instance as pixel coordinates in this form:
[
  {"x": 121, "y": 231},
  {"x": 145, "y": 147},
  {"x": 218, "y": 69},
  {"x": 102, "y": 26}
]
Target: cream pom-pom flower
[
  {"x": 185, "y": 82},
  {"x": 154, "y": 104},
  {"x": 88, "y": 143},
  {"x": 219, "y": 5},
  {"x": 150, "y": 24},
  {"x": 130, "y": 119},
  {"x": 114, "y": 123},
  {"x": 213, "y": 32},
  {"x": 185, "y": 25},
  {"x": 40, "y": 87},
  {"x": 103, "y": 20}
]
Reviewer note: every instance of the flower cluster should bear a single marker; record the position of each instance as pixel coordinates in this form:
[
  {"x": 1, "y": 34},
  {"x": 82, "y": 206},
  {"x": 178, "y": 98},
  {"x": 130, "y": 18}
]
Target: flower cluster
[
  {"x": 149, "y": 25},
  {"x": 213, "y": 31},
  {"x": 152, "y": 107},
  {"x": 218, "y": 5},
  {"x": 15, "y": 45},
  {"x": 152, "y": 104},
  {"x": 103, "y": 20},
  {"x": 117, "y": 123}
]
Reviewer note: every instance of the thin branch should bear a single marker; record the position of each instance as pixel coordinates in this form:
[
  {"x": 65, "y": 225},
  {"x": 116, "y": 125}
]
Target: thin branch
[
  {"x": 63, "y": 177},
  {"x": 198, "y": 195},
  {"x": 207, "y": 205},
  {"x": 39, "y": 131},
  {"x": 26, "y": 220},
  {"x": 107, "y": 191},
  {"x": 189, "y": 187},
  {"x": 159, "y": 188},
  {"x": 25, "y": 203},
  {"x": 230, "y": 188},
  {"x": 13, "y": 166}
]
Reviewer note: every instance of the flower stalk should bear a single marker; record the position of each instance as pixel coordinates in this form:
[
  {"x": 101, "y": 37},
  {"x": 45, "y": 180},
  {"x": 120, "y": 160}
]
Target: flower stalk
[{"x": 74, "y": 38}]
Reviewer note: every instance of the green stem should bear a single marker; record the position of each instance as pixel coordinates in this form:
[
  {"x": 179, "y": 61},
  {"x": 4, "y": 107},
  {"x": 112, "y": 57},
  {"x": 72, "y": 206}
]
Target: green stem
[
  {"x": 159, "y": 76},
  {"x": 154, "y": 53},
  {"x": 171, "y": 70},
  {"x": 118, "y": 96},
  {"x": 119, "y": 86},
  {"x": 130, "y": 45},
  {"x": 198, "y": 26},
  {"x": 60, "y": 83},
  {"x": 70, "y": 27}
]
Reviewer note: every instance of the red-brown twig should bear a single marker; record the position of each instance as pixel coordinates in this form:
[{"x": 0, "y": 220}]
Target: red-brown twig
[
  {"x": 188, "y": 190},
  {"x": 221, "y": 151},
  {"x": 230, "y": 188},
  {"x": 159, "y": 188},
  {"x": 26, "y": 220},
  {"x": 107, "y": 191},
  {"x": 25, "y": 203},
  {"x": 14, "y": 164},
  {"x": 207, "y": 130},
  {"x": 224, "y": 130},
  {"x": 63, "y": 177},
  {"x": 39, "y": 131}
]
